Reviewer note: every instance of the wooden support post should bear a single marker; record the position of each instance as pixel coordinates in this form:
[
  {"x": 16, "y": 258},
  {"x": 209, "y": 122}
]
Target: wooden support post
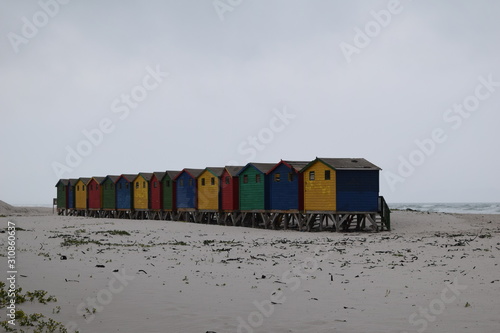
[
  {"x": 265, "y": 218},
  {"x": 328, "y": 218},
  {"x": 359, "y": 222},
  {"x": 242, "y": 219},
  {"x": 321, "y": 217},
  {"x": 308, "y": 222},
  {"x": 278, "y": 220},
  {"x": 286, "y": 218},
  {"x": 371, "y": 218},
  {"x": 339, "y": 220}
]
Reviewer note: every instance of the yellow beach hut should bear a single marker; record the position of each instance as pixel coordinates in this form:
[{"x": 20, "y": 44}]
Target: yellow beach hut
[
  {"x": 209, "y": 188},
  {"x": 141, "y": 191},
  {"x": 81, "y": 200}
]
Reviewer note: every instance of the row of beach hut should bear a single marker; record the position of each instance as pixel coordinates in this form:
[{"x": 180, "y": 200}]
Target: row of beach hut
[{"x": 340, "y": 185}]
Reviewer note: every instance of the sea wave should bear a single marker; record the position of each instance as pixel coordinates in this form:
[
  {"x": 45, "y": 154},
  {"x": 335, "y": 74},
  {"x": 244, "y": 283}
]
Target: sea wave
[{"x": 460, "y": 208}]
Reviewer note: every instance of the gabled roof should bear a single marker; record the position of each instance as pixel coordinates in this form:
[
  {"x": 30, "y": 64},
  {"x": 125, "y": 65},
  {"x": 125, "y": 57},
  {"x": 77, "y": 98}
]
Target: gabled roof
[
  {"x": 345, "y": 164},
  {"x": 172, "y": 173},
  {"x": 128, "y": 177},
  {"x": 233, "y": 169},
  {"x": 262, "y": 167},
  {"x": 216, "y": 171},
  {"x": 295, "y": 165},
  {"x": 73, "y": 181},
  {"x": 194, "y": 173},
  {"x": 99, "y": 180},
  {"x": 350, "y": 163},
  {"x": 65, "y": 182},
  {"x": 84, "y": 180},
  {"x": 145, "y": 175},
  {"x": 113, "y": 178},
  {"x": 159, "y": 174}
]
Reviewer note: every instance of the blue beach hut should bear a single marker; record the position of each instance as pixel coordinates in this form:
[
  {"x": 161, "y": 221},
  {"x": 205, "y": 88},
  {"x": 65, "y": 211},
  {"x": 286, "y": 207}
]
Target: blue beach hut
[
  {"x": 285, "y": 186},
  {"x": 71, "y": 193},
  {"x": 186, "y": 189},
  {"x": 124, "y": 195}
]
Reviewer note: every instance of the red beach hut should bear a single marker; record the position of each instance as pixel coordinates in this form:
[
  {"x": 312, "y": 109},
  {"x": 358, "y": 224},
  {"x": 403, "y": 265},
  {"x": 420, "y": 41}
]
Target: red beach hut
[
  {"x": 229, "y": 188},
  {"x": 94, "y": 190}
]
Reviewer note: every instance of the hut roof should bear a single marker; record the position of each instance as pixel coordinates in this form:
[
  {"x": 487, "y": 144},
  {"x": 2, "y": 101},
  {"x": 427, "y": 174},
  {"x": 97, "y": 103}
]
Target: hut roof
[
  {"x": 296, "y": 165},
  {"x": 350, "y": 163},
  {"x": 128, "y": 177},
  {"x": 63, "y": 181},
  {"x": 145, "y": 175},
  {"x": 172, "y": 173},
  {"x": 99, "y": 180},
  {"x": 262, "y": 167},
  {"x": 233, "y": 169},
  {"x": 192, "y": 172},
  {"x": 345, "y": 163},
  {"x": 159, "y": 174},
  {"x": 216, "y": 171},
  {"x": 85, "y": 180},
  {"x": 113, "y": 178}
]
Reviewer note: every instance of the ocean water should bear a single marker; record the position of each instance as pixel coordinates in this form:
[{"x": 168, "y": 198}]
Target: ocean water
[{"x": 461, "y": 208}]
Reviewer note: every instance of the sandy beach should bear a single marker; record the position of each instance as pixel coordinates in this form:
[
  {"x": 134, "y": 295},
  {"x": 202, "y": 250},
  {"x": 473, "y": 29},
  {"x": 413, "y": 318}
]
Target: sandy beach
[{"x": 432, "y": 273}]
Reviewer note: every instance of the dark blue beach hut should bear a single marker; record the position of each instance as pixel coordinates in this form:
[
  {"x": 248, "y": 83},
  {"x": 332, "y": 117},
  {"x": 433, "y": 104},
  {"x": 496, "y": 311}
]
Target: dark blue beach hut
[
  {"x": 357, "y": 184},
  {"x": 124, "y": 195},
  {"x": 186, "y": 189},
  {"x": 71, "y": 193},
  {"x": 285, "y": 186}
]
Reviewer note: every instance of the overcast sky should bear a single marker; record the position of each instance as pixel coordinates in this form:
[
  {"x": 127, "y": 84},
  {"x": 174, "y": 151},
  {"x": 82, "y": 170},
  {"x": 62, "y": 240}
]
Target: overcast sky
[{"x": 174, "y": 84}]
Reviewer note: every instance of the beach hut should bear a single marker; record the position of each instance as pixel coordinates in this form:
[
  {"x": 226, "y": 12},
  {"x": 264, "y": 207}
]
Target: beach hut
[
  {"x": 285, "y": 183},
  {"x": 124, "y": 192},
  {"x": 252, "y": 186},
  {"x": 229, "y": 188},
  {"x": 155, "y": 191},
  {"x": 341, "y": 184},
  {"x": 71, "y": 193},
  {"x": 141, "y": 191},
  {"x": 62, "y": 193},
  {"x": 209, "y": 188},
  {"x": 357, "y": 185},
  {"x": 81, "y": 199},
  {"x": 109, "y": 192},
  {"x": 94, "y": 190},
  {"x": 186, "y": 188},
  {"x": 168, "y": 186}
]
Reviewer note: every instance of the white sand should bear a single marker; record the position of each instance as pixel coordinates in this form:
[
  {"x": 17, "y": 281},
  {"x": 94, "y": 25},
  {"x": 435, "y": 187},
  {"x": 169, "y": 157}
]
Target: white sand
[{"x": 380, "y": 281}]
